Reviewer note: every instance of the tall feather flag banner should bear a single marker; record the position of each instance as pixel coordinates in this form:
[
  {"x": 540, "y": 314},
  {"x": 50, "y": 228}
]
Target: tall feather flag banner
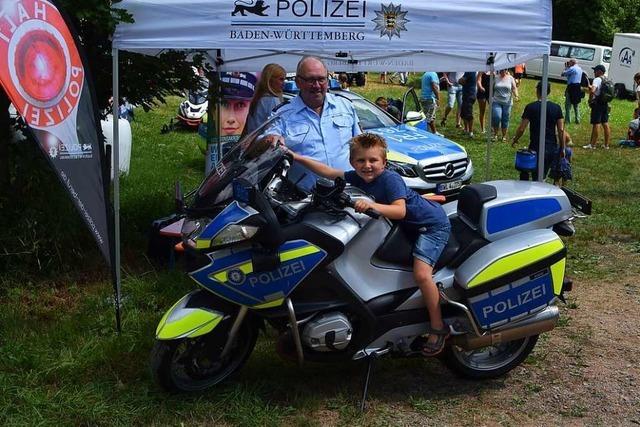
[{"x": 42, "y": 72}]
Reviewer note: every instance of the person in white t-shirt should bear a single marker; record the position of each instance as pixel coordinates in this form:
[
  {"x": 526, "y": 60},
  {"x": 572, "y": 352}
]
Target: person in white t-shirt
[{"x": 599, "y": 110}]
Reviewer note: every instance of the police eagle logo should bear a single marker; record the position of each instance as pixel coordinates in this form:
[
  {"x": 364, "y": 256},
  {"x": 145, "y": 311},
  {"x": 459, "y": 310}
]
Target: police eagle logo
[
  {"x": 256, "y": 8},
  {"x": 390, "y": 20}
]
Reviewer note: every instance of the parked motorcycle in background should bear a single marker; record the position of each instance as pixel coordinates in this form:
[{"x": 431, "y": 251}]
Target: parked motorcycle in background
[
  {"x": 192, "y": 110},
  {"x": 337, "y": 285}
]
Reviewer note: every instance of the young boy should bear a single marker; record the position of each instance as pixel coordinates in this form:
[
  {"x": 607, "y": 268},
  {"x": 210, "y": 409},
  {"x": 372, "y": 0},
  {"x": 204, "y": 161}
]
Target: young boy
[
  {"x": 633, "y": 131},
  {"x": 561, "y": 167},
  {"x": 368, "y": 157}
]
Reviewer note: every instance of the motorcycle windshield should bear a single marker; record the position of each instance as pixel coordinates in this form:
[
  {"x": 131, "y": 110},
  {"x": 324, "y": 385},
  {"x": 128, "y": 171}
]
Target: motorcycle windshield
[
  {"x": 198, "y": 98},
  {"x": 250, "y": 159}
]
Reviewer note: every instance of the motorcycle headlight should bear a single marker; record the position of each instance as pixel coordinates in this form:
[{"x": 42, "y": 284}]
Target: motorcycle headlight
[
  {"x": 234, "y": 233},
  {"x": 404, "y": 169},
  {"x": 192, "y": 230}
]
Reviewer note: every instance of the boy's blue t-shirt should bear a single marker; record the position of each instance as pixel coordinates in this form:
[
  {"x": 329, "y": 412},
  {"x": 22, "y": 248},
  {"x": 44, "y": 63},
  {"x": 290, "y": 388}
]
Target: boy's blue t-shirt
[{"x": 389, "y": 187}]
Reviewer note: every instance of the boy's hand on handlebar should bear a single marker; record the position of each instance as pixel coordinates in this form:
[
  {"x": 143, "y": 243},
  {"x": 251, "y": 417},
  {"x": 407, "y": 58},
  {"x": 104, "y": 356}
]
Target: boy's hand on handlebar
[
  {"x": 362, "y": 205},
  {"x": 275, "y": 140}
]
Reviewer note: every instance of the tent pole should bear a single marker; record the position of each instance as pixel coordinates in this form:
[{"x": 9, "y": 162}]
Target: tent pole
[
  {"x": 487, "y": 162},
  {"x": 219, "y": 121},
  {"x": 543, "y": 115},
  {"x": 115, "y": 167}
]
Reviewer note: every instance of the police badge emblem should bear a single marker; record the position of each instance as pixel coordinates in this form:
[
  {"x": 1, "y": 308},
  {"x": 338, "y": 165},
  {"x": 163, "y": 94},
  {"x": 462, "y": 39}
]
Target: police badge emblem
[{"x": 390, "y": 20}]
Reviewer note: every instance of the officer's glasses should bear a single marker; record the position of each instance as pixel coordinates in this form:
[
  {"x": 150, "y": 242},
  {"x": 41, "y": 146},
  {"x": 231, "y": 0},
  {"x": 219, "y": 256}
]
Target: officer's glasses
[{"x": 311, "y": 80}]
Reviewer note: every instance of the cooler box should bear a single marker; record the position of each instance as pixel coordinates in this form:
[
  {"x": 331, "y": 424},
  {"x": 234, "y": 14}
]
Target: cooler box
[{"x": 526, "y": 160}]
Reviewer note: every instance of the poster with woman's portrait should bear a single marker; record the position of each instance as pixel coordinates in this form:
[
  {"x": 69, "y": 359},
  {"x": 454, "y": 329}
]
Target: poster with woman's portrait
[{"x": 237, "y": 91}]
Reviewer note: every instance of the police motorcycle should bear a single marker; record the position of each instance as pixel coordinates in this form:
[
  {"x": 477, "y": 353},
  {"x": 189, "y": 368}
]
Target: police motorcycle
[
  {"x": 192, "y": 110},
  {"x": 337, "y": 285}
]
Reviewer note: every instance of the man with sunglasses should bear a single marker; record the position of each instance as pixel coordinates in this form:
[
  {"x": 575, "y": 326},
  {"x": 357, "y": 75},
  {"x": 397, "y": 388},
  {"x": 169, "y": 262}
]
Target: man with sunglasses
[{"x": 315, "y": 123}]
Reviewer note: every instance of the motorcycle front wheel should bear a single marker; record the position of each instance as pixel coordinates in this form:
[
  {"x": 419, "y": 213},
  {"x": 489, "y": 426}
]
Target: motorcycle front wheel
[
  {"x": 194, "y": 364},
  {"x": 489, "y": 362}
]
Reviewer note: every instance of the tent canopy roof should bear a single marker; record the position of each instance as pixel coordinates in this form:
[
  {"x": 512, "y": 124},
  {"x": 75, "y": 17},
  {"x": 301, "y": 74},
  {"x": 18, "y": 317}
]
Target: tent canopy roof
[{"x": 351, "y": 35}]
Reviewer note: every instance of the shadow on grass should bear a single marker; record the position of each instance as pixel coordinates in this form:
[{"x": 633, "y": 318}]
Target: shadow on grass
[{"x": 393, "y": 380}]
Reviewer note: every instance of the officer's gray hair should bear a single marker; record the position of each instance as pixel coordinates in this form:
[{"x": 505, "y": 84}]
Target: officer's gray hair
[{"x": 309, "y": 57}]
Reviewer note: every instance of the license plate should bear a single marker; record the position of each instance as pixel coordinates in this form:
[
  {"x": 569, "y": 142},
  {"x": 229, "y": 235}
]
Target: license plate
[{"x": 447, "y": 186}]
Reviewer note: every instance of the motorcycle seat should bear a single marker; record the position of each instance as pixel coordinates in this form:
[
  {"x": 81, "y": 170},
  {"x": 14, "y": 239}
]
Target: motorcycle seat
[
  {"x": 471, "y": 201},
  {"x": 397, "y": 247}
]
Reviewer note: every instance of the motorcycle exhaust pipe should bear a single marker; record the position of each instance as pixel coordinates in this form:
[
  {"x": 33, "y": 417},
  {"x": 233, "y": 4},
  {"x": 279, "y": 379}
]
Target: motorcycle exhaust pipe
[{"x": 543, "y": 321}]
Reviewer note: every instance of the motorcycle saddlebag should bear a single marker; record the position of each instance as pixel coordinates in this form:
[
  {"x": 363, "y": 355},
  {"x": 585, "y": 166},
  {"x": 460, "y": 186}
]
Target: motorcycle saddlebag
[{"x": 512, "y": 278}]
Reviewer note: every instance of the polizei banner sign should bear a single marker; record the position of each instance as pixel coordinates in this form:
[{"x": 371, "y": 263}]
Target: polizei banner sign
[
  {"x": 333, "y": 25},
  {"x": 306, "y": 20},
  {"x": 41, "y": 71}
]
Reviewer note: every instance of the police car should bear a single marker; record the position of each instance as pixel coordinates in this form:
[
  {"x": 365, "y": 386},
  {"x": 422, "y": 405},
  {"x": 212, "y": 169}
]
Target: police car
[{"x": 428, "y": 163}]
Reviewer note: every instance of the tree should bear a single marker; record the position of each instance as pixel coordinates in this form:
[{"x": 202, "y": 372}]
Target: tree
[
  {"x": 144, "y": 80},
  {"x": 595, "y": 22}
]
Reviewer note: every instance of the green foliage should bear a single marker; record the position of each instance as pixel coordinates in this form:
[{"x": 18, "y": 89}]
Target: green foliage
[
  {"x": 594, "y": 22},
  {"x": 144, "y": 80}
]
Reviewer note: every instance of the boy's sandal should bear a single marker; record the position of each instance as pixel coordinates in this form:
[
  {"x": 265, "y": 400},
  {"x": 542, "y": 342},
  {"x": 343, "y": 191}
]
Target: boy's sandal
[{"x": 433, "y": 349}]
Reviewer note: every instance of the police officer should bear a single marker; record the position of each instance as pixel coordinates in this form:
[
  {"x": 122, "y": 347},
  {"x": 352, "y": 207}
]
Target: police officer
[{"x": 315, "y": 123}]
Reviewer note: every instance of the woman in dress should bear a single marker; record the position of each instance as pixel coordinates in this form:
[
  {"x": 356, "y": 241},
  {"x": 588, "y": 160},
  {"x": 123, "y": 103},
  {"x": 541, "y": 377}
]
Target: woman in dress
[
  {"x": 267, "y": 96},
  {"x": 504, "y": 92}
]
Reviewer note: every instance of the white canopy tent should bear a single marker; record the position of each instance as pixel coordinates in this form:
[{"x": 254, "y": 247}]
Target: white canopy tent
[
  {"x": 349, "y": 35},
  {"x": 365, "y": 35}
]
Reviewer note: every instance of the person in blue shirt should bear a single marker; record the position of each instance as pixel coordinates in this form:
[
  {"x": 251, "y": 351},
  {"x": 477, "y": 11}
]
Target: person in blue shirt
[
  {"x": 427, "y": 219},
  {"x": 573, "y": 94},
  {"x": 315, "y": 123},
  {"x": 430, "y": 98}
]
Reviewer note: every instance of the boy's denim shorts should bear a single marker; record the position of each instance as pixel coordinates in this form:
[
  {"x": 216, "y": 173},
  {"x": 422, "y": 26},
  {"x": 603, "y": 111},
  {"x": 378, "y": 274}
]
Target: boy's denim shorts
[{"x": 430, "y": 244}]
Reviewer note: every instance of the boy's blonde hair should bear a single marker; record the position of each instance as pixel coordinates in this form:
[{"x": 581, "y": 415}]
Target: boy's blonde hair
[{"x": 367, "y": 140}]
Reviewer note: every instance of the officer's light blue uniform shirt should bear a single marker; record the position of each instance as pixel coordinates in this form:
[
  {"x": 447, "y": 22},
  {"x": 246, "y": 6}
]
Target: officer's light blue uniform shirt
[
  {"x": 573, "y": 74},
  {"x": 323, "y": 138}
]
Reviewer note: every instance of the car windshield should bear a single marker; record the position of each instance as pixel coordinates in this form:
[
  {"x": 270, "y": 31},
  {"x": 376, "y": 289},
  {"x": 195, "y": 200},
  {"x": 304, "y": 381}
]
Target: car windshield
[
  {"x": 370, "y": 116},
  {"x": 250, "y": 159}
]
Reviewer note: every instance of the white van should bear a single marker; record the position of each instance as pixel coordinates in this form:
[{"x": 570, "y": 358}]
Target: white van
[
  {"x": 587, "y": 55},
  {"x": 625, "y": 63}
]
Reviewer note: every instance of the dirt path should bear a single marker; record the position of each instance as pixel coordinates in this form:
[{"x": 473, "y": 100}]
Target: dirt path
[{"x": 585, "y": 372}]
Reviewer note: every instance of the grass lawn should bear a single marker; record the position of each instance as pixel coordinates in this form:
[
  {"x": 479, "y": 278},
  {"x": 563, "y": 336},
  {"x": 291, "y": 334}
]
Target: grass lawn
[{"x": 61, "y": 362}]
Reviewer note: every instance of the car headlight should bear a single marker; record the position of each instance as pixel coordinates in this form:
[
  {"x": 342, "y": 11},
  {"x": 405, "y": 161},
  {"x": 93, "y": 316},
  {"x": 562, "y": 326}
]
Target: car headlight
[{"x": 404, "y": 169}]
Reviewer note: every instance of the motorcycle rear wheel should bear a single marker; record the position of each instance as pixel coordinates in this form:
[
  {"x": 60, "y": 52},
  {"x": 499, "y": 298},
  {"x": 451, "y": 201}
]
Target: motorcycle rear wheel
[
  {"x": 193, "y": 364},
  {"x": 489, "y": 362}
]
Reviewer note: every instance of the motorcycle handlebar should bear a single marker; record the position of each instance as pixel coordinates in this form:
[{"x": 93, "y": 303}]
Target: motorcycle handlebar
[{"x": 369, "y": 212}]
